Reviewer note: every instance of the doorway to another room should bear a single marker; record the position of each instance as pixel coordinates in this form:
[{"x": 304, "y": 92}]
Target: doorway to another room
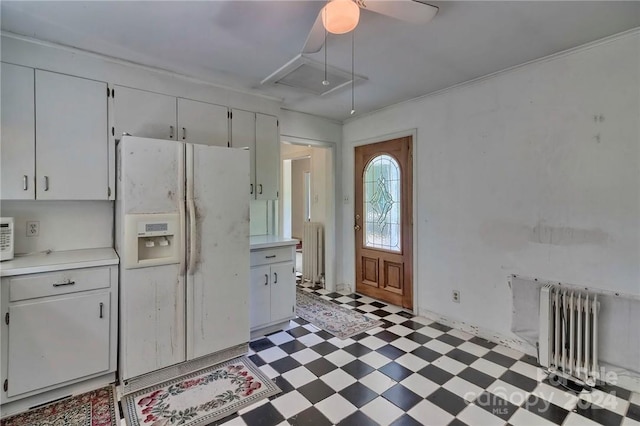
[{"x": 306, "y": 205}]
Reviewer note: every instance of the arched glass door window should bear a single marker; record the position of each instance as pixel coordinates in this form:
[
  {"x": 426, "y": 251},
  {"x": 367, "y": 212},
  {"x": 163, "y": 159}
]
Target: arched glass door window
[{"x": 382, "y": 203}]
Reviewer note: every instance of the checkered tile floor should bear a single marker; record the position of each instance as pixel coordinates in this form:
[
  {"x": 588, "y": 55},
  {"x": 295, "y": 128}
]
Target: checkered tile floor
[{"x": 414, "y": 371}]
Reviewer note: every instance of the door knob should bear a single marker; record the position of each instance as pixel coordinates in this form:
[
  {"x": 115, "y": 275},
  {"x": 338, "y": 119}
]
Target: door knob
[{"x": 357, "y": 227}]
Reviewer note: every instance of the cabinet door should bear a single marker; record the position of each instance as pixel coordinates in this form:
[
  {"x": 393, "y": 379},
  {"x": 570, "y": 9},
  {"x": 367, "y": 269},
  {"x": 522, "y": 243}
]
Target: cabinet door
[
  {"x": 72, "y": 158},
  {"x": 144, "y": 114},
  {"x": 18, "y": 134},
  {"x": 53, "y": 341},
  {"x": 283, "y": 291},
  {"x": 259, "y": 297},
  {"x": 203, "y": 123},
  {"x": 267, "y": 157},
  {"x": 243, "y": 135}
]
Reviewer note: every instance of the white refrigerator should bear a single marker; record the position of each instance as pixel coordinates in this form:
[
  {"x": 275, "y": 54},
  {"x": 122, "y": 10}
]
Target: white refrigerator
[{"x": 182, "y": 233}]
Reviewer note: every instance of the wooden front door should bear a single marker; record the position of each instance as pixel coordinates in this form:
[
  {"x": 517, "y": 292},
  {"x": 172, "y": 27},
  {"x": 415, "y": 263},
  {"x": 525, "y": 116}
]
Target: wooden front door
[{"x": 383, "y": 221}]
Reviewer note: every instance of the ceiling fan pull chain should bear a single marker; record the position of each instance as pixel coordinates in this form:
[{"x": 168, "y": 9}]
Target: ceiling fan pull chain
[
  {"x": 325, "y": 82},
  {"x": 353, "y": 36}
]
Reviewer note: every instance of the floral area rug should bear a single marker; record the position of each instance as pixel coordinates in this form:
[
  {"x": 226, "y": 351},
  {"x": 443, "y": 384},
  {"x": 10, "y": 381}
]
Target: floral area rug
[
  {"x": 337, "y": 320},
  {"x": 199, "y": 398},
  {"x": 95, "y": 408}
]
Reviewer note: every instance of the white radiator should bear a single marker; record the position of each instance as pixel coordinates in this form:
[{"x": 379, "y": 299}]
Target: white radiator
[
  {"x": 312, "y": 251},
  {"x": 568, "y": 342}
]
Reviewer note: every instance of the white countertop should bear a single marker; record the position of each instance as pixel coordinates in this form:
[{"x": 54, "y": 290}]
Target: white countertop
[
  {"x": 58, "y": 260},
  {"x": 267, "y": 241}
]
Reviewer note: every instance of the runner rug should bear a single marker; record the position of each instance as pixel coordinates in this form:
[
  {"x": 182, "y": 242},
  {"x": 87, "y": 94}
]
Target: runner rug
[
  {"x": 337, "y": 320},
  {"x": 199, "y": 398},
  {"x": 95, "y": 408}
]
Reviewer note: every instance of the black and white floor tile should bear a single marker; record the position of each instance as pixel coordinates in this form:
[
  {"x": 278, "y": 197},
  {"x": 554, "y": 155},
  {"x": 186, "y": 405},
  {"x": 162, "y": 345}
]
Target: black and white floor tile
[{"x": 412, "y": 371}]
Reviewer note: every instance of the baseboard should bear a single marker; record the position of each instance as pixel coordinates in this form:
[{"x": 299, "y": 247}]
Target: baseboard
[
  {"x": 622, "y": 378},
  {"x": 344, "y": 287},
  {"x": 484, "y": 333}
]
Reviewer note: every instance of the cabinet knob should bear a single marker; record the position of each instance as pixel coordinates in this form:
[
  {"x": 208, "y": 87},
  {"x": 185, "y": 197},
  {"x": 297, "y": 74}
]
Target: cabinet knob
[
  {"x": 25, "y": 182},
  {"x": 46, "y": 183},
  {"x": 170, "y": 132},
  {"x": 251, "y": 189},
  {"x": 101, "y": 307},
  {"x": 69, "y": 282},
  {"x": 184, "y": 133},
  {"x": 275, "y": 278},
  {"x": 266, "y": 279},
  {"x": 260, "y": 190}
]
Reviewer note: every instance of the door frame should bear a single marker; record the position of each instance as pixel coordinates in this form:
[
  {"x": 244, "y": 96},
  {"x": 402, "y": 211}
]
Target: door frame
[
  {"x": 349, "y": 225},
  {"x": 333, "y": 207}
]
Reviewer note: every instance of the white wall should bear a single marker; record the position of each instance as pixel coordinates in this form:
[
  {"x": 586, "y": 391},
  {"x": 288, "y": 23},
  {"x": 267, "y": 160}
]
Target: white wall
[
  {"x": 532, "y": 171},
  {"x": 64, "y": 225}
]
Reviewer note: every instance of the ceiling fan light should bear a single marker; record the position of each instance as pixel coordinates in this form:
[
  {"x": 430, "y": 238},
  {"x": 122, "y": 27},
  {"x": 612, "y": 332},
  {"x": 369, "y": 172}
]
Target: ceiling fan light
[{"x": 340, "y": 16}]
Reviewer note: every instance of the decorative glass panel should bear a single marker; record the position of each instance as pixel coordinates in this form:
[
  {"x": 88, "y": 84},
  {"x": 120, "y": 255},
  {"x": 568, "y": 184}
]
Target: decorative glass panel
[{"x": 382, "y": 203}]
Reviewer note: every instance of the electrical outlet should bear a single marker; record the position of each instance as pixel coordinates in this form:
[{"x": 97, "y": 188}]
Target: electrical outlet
[
  {"x": 455, "y": 296},
  {"x": 33, "y": 228}
]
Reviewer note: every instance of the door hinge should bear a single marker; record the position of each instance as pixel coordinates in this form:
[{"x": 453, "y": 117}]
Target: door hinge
[
  {"x": 6, "y": 385},
  {"x": 6, "y": 318}
]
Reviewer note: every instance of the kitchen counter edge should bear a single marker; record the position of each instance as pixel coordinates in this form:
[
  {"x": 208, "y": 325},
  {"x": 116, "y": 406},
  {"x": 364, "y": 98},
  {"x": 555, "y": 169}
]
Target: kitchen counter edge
[
  {"x": 58, "y": 261},
  {"x": 257, "y": 242}
]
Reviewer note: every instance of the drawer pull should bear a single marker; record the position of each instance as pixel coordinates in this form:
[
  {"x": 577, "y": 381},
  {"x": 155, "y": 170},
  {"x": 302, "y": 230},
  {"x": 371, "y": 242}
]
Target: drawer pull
[
  {"x": 270, "y": 257},
  {"x": 266, "y": 279},
  {"x": 69, "y": 282},
  {"x": 101, "y": 306},
  {"x": 275, "y": 278}
]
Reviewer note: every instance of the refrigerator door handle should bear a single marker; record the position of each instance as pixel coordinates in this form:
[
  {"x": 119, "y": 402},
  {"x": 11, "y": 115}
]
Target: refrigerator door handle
[
  {"x": 183, "y": 242},
  {"x": 192, "y": 236}
]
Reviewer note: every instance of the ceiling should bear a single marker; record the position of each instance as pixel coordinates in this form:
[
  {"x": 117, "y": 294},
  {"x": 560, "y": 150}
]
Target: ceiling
[{"x": 240, "y": 43}]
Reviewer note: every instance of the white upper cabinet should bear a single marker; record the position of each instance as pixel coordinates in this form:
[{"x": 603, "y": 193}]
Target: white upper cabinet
[
  {"x": 144, "y": 114},
  {"x": 267, "y": 157},
  {"x": 243, "y": 135},
  {"x": 17, "y": 175},
  {"x": 72, "y": 159},
  {"x": 203, "y": 123},
  {"x": 260, "y": 134},
  {"x": 154, "y": 115}
]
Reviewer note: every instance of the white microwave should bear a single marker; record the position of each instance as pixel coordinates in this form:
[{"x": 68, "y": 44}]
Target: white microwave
[{"x": 6, "y": 238}]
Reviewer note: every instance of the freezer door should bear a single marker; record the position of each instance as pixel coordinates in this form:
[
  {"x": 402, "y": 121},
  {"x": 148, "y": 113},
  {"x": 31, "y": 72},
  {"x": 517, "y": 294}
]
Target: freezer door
[
  {"x": 152, "y": 299},
  {"x": 218, "y": 271}
]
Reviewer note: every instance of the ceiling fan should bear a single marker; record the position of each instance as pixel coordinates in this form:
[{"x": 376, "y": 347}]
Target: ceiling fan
[{"x": 412, "y": 11}]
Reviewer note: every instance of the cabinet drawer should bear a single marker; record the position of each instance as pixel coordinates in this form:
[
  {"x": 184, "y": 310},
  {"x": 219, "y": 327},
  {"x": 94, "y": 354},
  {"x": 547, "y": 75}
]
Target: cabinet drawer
[
  {"x": 271, "y": 255},
  {"x": 55, "y": 283}
]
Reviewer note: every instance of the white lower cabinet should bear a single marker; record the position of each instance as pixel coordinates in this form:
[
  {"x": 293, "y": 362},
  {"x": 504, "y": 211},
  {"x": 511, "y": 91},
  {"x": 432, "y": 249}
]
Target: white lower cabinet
[
  {"x": 273, "y": 290},
  {"x": 71, "y": 341},
  {"x": 58, "y": 328}
]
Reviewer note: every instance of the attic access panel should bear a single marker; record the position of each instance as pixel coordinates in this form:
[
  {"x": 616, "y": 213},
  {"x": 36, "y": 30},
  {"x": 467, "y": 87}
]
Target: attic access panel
[{"x": 306, "y": 74}]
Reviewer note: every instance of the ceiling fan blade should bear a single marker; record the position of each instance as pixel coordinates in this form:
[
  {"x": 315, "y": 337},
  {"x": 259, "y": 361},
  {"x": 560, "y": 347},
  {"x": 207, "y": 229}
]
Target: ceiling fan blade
[
  {"x": 413, "y": 11},
  {"x": 315, "y": 39}
]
